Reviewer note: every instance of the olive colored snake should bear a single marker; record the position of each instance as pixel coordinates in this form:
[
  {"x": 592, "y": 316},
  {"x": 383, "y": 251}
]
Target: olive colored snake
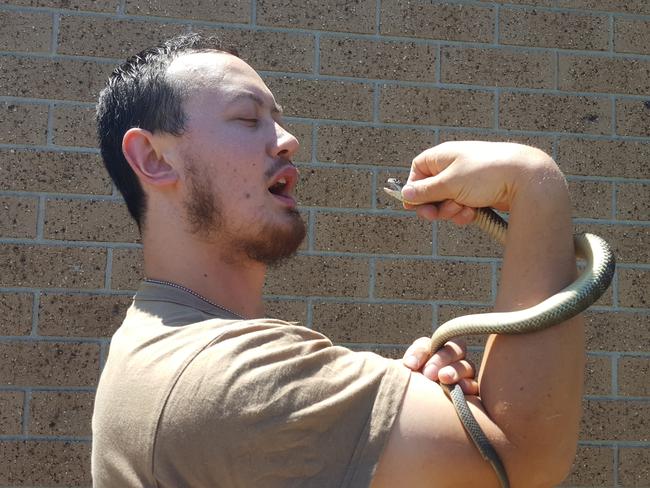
[{"x": 570, "y": 301}]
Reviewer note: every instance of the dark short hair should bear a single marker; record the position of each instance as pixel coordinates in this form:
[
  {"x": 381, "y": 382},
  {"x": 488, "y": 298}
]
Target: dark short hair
[{"x": 140, "y": 94}]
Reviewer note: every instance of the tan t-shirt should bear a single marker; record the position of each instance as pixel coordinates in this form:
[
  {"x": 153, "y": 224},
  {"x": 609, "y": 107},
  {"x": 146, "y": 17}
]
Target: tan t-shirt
[{"x": 190, "y": 396}]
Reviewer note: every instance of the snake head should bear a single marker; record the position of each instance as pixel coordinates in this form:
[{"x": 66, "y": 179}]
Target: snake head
[{"x": 394, "y": 188}]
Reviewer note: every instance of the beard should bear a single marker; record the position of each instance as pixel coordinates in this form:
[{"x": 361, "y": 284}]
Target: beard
[{"x": 272, "y": 242}]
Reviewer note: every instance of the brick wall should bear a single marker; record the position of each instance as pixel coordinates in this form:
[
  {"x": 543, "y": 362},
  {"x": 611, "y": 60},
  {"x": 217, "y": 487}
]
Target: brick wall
[{"x": 366, "y": 85}]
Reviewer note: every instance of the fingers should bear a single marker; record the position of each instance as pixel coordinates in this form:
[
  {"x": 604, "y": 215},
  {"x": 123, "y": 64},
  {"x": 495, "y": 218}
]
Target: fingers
[
  {"x": 453, "y": 373},
  {"x": 457, "y": 213},
  {"x": 417, "y": 354},
  {"x": 469, "y": 386},
  {"x": 448, "y": 365},
  {"x": 451, "y": 352},
  {"x": 447, "y": 210},
  {"x": 432, "y": 189}
]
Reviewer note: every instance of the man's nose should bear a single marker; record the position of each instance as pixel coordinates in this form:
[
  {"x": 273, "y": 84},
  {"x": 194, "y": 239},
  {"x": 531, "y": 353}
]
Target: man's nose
[{"x": 286, "y": 144}]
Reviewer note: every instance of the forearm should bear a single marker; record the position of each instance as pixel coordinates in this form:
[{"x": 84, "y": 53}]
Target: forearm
[{"x": 531, "y": 385}]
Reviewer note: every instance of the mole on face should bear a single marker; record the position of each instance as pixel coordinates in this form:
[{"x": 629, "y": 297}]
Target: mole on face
[{"x": 247, "y": 195}]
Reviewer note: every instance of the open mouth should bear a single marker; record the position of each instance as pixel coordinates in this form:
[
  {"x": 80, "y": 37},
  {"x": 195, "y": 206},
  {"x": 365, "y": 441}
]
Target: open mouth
[
  {"x": 283, "y": 184},
  {"x": 279, "y": 187}
]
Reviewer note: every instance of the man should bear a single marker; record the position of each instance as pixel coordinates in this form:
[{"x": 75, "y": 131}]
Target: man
[{"x": 201, "y": 390}]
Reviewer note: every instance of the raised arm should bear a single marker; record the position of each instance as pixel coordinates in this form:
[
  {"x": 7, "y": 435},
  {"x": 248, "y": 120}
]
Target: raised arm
[{"x": 530, "y": 385}]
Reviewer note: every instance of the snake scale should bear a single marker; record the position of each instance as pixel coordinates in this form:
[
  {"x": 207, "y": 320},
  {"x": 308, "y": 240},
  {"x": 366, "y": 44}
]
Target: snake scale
[{"x": 568, "y": 302}]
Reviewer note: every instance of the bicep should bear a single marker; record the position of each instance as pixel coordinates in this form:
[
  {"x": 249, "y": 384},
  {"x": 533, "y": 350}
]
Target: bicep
[{"x": 428, "y": 445}]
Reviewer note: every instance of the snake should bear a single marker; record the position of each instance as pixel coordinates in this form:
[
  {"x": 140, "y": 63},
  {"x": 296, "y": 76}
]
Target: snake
[{"x": 570, "y": 301}]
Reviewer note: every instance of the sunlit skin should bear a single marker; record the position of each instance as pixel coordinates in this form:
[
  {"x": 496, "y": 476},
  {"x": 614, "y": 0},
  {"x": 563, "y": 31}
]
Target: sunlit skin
[
  {"x": 232, "y": 147},
  {"x": 213, "y": 225},
  {"x": 530, "y": 385},
  {"x": 208, "y": 192}
]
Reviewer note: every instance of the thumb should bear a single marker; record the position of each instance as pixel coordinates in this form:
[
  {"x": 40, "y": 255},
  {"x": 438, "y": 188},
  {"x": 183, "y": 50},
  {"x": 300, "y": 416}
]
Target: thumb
[{"x": 427, "y": 190}]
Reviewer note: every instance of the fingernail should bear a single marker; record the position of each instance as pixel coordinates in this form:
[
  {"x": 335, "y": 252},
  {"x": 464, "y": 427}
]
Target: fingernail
[
  {"x": 450, "y": 376},
  {"x": 430, "y": 371},
  {"x": 408, "y": 192},
  {"x": 411, "y": 362}
]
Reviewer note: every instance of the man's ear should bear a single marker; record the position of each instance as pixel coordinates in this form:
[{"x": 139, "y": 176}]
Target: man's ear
[{"x": 146, "y": 159}]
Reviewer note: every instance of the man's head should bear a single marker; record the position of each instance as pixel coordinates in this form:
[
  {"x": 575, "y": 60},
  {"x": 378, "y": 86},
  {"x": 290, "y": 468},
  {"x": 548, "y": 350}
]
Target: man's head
[{"x": 190, "y": 127}]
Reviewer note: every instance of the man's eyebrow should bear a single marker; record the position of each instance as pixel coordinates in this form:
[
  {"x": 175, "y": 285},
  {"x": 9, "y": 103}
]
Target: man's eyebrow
[{"x": 275, "y": 108}]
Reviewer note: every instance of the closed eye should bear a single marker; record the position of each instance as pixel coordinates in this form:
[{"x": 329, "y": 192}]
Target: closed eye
[{"x": 252, "y": 122}]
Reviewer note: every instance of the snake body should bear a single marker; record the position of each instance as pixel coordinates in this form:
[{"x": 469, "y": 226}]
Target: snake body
[{"x": 570, "y": 301}]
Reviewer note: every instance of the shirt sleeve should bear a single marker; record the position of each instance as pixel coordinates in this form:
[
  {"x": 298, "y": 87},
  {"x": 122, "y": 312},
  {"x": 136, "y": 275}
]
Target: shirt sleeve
[{"x": 276, "y": 405}]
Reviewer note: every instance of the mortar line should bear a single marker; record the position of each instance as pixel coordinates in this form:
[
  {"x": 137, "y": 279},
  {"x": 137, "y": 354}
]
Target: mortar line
[
  {"x": 555, "y": 148},
  {"x": 254, "y": 12},
  {"x": 372, "y": 270},
  {"x": 52, "y": 339},
  {"x": 380, "y": 301},
  {"x": 401, "y": 257},
  {"x": 80, "y": 389},
  {"x": 49, "y": 134},
  {"x": 67, "y": 291},
  {"x": 316, "y": 68},
  {"x": 121, "y": 9},
  {"x": 494, "y": 289},
  {"x": 40, "y": 218},
  {"x": 378, "y": 17},
  {"x": 435, "y": 317},
  {"x": 373, "y": 188},
  {"x": 314, "y": 141},
  {"x": 613, "y": 115},
  {"x": 617, "y": 398},
  {"x": 610, "y": 443},
  {"x": 497, "y": 24},
  {"x": 556, "y": 69},
  {"x": 616, "y": 459},
  {"x": 42, "y": 101},
  {"x": 369, "y": 124},
  {"x": 66, "y": 196},
  {"x": 375, "y": 103},
  {"x": 614, "y": 200},
  {"x": 497, "y": 100},
  {"x": 54, "y": 40},
  {"x": 311, "y": 230},
  {"x": 477, "y": 130},
  {"x": 50, "y": 148},
  {"x": 46, "y": 438},
  {"x": 103, "y": 354},
  {"x": 434, "y": 240},
  {"x": 36, "y": 304},
  {"x": 310, "y": 314},
  {"x": 27, "y": 400},
  {"x": 358, "y": 80},
  {"x": 175, "y": 20},
  {"x": 615, "y": 302},
  {"x": 417, "y": 301},
  {"x": 614, "y": 358},
  {"x": 438, "y": 64},
  {"x": 73, "y": 244},
  {"x": 109, "y": 268}
]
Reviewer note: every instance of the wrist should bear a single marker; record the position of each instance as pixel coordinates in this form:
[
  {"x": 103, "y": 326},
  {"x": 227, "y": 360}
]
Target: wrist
[{"x": 540, "y": 183}]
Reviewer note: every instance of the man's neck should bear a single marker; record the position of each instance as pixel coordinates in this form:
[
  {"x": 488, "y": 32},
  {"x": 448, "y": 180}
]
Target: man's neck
[{"x": 233, "y": 284}]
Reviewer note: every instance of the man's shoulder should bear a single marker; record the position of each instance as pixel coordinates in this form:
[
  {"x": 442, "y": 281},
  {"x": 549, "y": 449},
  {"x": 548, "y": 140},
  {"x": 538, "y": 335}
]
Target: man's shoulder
[{"x": 273, "y": 389}]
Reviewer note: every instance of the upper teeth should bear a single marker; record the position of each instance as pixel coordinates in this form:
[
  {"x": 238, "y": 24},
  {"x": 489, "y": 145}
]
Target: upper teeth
[{"x": 282, "y": 181}]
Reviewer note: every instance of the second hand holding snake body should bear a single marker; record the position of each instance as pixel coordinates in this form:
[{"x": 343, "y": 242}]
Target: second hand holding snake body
[{"x": 568, "y": 302}]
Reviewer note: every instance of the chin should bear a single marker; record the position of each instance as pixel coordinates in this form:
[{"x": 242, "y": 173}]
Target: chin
[{"x": 278, "y": 242}]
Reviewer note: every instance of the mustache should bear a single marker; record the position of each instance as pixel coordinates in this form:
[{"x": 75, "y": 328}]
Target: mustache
[{"x": 277, "y": 165}]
